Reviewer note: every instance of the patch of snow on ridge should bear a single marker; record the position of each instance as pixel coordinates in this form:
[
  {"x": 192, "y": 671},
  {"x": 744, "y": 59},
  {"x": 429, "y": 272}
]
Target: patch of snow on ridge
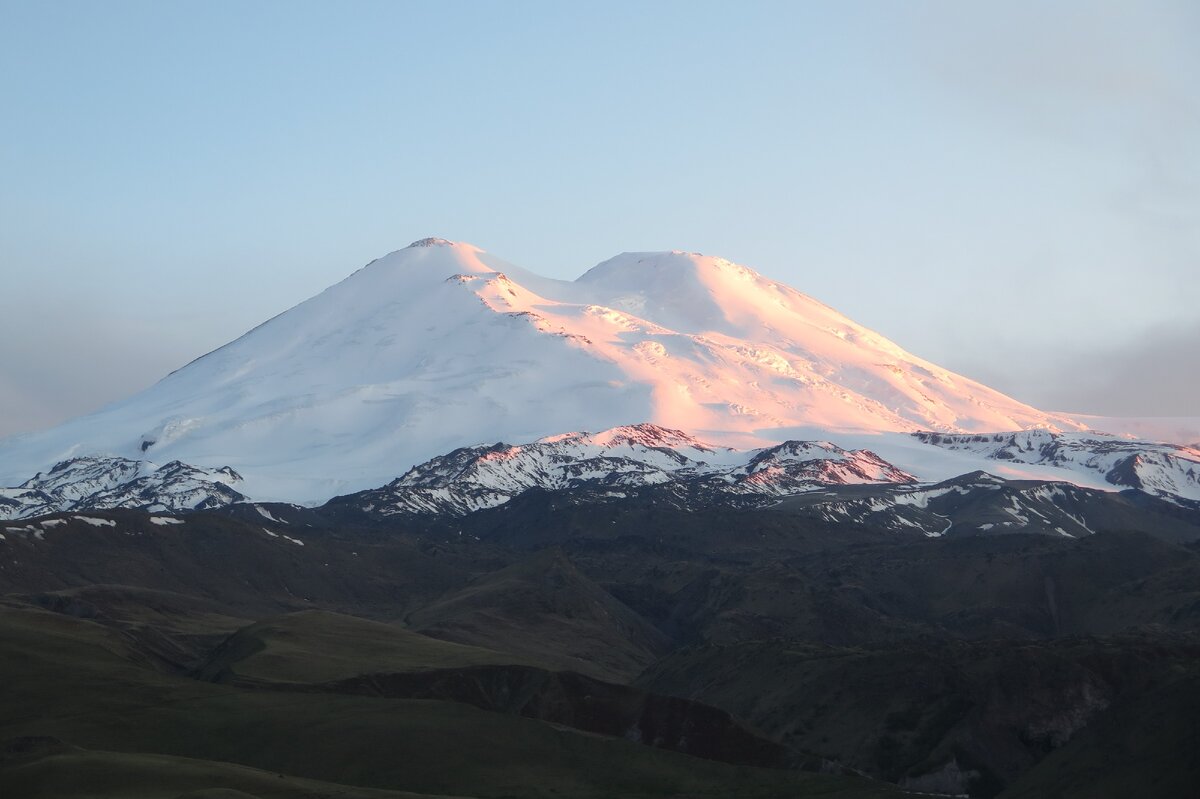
[{"x": 266, "y": 514}]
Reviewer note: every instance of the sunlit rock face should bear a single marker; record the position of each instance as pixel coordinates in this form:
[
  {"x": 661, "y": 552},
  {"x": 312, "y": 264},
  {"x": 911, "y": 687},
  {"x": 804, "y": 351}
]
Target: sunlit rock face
[{"x": 618, "y": 464}]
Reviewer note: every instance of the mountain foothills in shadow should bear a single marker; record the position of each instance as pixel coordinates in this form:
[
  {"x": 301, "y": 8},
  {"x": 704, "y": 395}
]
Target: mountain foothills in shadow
[{"x": 557, "y": 645}]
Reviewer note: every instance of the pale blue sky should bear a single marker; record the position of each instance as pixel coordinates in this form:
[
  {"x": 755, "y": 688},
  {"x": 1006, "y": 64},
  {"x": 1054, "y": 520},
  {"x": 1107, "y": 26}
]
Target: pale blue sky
[{"x": 1009, "y": 189}]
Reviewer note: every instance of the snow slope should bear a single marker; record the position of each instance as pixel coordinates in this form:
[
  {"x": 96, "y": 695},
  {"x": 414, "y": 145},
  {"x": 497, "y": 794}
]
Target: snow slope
[{"x": 442, "y": 345}]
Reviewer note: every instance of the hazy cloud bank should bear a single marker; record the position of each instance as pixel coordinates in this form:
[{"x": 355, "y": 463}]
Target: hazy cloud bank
[{"x": 1154, "y": 374}]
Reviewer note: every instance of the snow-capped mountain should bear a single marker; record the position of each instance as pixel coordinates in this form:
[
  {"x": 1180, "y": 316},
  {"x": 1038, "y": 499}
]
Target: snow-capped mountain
[
  {"x": 615, "y": 463},
  {"x": 105, "y": 482},
  {"x": 1160, "y": 469},
  {"x": 442, "y": 345}
]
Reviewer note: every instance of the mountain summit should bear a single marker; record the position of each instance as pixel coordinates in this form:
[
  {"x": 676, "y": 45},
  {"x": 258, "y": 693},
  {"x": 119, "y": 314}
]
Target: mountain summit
[{"x": 441, "y": 345}]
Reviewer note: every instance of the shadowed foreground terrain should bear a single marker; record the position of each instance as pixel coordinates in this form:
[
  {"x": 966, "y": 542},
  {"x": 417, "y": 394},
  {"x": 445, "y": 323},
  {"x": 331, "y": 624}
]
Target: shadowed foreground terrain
[{"x": 614, "y": 651}]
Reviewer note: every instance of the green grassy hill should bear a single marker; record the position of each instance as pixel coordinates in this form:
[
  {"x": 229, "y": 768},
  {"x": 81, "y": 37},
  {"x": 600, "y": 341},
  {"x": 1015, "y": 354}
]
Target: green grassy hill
[
  {"x": 315, "y": 646},
  {"x": 86, "y": 685}
]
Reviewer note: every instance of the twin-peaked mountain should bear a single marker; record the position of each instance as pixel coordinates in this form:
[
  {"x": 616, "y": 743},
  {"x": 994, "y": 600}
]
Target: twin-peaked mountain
[{"x": 441, "y": 345}]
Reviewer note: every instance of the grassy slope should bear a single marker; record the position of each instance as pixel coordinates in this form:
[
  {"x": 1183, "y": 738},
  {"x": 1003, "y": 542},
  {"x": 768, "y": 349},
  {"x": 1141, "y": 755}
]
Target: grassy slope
[
  {"x": 112, "y": 775},
  {"x": 82, "y": 683},
  {"x": 316, "y": 646},
  {"x": 545, "y": 609}
]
